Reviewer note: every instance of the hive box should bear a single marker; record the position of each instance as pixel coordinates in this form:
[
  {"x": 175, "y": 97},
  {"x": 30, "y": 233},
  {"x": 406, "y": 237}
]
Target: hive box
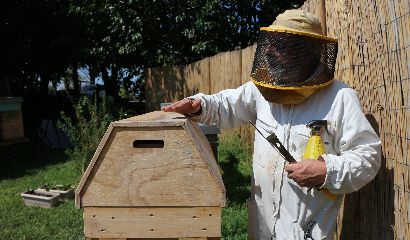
[
  {"x": 152, "y": 176},
  {"x": 11, "y": 119}
]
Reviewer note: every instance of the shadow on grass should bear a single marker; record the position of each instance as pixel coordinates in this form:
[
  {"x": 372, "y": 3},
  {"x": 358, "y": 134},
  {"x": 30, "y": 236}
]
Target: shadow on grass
[
  {"x": 20, "y": 159},
  {"x": 236, "y": 183}
]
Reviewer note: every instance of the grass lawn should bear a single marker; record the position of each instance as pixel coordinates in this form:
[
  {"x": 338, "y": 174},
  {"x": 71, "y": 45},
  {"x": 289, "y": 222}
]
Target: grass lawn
[{"x": 22, "y": 167}]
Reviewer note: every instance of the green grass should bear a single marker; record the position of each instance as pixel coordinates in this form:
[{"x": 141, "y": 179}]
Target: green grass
[
  {"x": 235, "y": 160},
  {"x": 23, "y": 167}
]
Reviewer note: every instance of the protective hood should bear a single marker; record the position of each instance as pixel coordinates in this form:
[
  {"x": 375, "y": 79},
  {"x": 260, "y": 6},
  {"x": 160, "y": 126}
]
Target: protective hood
[{"x": 292, "y": 54}]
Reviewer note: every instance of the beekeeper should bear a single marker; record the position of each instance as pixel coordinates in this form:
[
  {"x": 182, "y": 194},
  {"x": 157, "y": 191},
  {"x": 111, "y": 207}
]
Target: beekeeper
[{"x": 291, "y": 84}]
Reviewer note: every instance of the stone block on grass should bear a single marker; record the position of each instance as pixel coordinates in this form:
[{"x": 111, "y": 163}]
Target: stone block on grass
[{"x": 40, "y": 198}]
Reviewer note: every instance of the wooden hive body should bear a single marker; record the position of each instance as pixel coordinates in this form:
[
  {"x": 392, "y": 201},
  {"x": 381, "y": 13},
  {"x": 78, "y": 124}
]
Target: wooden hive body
[
  {"x": 152, "y": 176},
  {"x": 11, "y": 120}
]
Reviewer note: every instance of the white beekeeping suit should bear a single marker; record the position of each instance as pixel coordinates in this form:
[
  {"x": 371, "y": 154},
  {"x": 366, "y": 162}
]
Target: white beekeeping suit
[
  {"x": 292, "y": 83},
  {"x": 278, "y": 207}
]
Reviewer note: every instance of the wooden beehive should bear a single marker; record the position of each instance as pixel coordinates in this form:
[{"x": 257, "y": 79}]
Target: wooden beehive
[
  {"x": 152, "y": 176},
  {"x": 11, "y": 119}
]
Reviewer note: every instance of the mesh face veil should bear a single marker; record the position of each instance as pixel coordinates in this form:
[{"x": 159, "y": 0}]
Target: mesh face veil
[{"x": 291, "y": 59}]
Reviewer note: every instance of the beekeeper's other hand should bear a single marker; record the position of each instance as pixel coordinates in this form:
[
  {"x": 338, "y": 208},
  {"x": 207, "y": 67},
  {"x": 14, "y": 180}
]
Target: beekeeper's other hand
[
  {"x": 186, "y": 106},
  {"x": 308, "y": 172}
]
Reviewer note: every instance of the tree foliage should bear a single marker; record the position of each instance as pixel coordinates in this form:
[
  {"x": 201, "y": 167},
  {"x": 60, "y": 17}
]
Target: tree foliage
[
  {"x": 40, "y": 40},
  {"x": 167, "y": 32},
  {"x": 118, "y": 39}
]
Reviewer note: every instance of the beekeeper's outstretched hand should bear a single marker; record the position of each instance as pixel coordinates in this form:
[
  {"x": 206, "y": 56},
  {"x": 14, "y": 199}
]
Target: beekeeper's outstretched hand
[{"x": 186, "y": 106}]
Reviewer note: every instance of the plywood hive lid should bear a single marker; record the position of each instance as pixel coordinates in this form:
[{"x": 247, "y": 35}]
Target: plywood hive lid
[{"x": 179, "y": 171}]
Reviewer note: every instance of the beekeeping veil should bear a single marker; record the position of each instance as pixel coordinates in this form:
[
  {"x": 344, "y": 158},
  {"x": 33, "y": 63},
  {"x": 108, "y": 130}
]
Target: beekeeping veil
[{"x": 293, "y": 54}]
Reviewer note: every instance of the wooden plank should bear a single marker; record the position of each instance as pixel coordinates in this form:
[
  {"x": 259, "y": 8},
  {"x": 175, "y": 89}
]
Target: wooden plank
[
  {"x": 164, "y": 85},
  {"x": 152, "y": 222},
  {"x": 11, "y": 126},
  {"x": 196, "y": 76},
  {"x": 156, "y": 116},
  {"x": 201, "y": 142},
  {"x": 175, "y": 175},
  {"x": 247, "y": 63},
  {"x": 203, "y": 238},
  {"x": 225, "y": 71},
  {"x": 7, "y": 100},
  {"x": 91, "y": 169},
  {"x": 87, "y": 238},
  {"x": 150, "y": 91},
  {"x": 153, "y": 119}
]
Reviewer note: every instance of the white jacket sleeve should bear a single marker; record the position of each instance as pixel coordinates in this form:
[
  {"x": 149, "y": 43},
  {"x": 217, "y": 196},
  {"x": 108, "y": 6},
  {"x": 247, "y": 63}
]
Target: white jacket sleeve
[
  {"x": 359, "y": 147},
  {"x": 229, "y": 108}
]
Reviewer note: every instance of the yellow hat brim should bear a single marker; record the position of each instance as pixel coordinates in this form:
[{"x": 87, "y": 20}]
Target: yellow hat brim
[
  {"x": 289, "y": 87},
  {"x": 293, "y": 31}
]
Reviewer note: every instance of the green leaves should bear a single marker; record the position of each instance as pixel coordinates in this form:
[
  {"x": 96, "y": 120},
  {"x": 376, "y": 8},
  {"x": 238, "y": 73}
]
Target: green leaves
[
  {"x": 47, "y": 37},
  {"x": 86, "y": 129}
]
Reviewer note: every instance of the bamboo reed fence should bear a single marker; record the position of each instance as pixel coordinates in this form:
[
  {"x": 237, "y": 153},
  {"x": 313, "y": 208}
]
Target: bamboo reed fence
[{"x": 373, "y": 58}]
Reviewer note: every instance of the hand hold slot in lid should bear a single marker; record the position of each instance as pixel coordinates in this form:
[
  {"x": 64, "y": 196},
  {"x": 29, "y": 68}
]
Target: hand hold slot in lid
[{"x": 148, "y": 144}]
